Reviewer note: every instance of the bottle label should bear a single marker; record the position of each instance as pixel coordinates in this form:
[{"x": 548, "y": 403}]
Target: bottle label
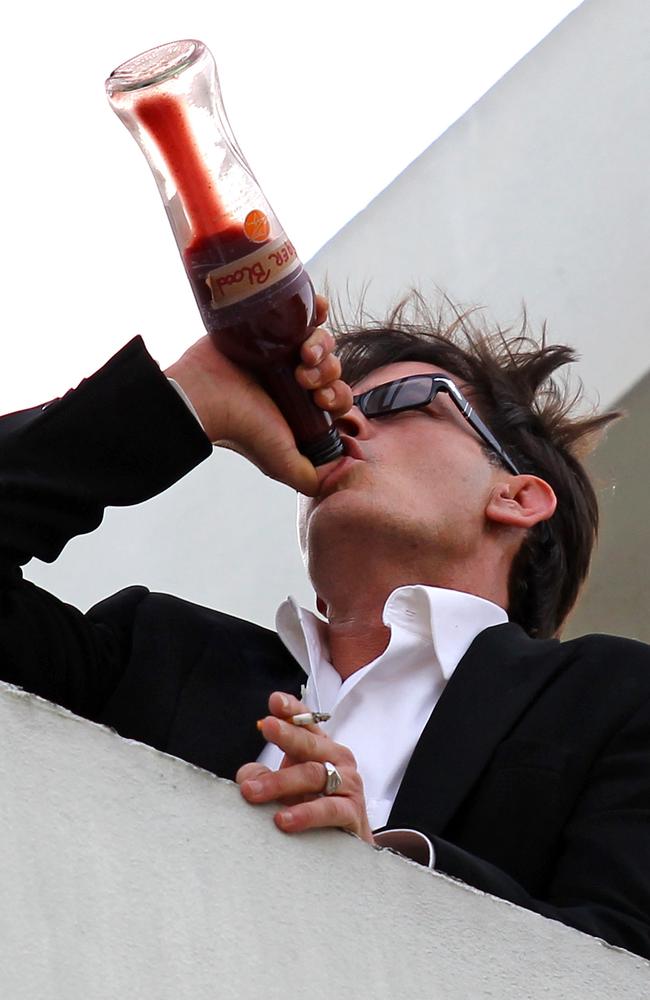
[{"x": 248, "y": 275}]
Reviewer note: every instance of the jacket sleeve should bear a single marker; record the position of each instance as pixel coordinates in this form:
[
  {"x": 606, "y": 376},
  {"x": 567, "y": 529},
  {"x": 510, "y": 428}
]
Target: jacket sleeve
[
  {"x": 600, "y": 881},
  {"x": 121, "y": 437}
]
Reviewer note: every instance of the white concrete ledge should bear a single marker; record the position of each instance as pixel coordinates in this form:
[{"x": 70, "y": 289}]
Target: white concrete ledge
[{"x": 129, "y": 873}]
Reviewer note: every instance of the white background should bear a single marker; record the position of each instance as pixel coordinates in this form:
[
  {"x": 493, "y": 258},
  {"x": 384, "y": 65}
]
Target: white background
[{"x": 330, "y": 102}]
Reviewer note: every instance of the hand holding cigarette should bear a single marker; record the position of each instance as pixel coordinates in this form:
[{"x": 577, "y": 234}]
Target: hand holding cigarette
[{"x": 303, "y": 784}]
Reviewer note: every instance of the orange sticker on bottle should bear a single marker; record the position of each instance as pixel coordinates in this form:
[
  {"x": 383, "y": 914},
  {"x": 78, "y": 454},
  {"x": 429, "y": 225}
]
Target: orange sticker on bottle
[{"x": 257, "y": 226}]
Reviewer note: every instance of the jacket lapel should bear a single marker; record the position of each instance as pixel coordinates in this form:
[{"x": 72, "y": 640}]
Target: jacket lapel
[{"x": 492, "y": 686}]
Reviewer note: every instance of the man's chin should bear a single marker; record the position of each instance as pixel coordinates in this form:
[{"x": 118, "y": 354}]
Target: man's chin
[
  {"x": 346, "y": 515},
  {"x": 337, "y": 506}
]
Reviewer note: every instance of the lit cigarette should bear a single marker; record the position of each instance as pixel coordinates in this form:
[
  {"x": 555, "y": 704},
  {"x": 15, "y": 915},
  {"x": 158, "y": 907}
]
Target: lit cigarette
[
  {"x": 304, "y": 719},
  {"x": 310, "y": 718}
]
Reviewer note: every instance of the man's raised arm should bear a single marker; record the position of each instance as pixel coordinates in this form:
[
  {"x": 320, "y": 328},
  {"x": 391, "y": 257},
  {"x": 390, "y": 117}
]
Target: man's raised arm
[{"x": 123, "y": 436}]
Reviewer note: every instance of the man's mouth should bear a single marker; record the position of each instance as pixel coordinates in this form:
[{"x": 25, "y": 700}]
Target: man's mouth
[
  {"x": 352, "y": 456},
  {"x": 352, "y": 448},
  {"x": 333, "y": 478}
]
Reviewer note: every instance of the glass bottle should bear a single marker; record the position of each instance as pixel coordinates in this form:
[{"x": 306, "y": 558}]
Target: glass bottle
[{"x": 255, "y": 298}]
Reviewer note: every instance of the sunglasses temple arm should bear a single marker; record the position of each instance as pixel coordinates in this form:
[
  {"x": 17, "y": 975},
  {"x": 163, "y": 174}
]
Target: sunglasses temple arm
[{"x": 490, "y": 439}]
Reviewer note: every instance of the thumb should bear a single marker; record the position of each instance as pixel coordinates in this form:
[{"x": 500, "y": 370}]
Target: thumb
[{"x": 276, "y": 456}]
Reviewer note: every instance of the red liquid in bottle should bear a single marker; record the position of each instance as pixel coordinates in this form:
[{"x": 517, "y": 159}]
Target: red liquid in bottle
[{"x": 262, "y": 331}]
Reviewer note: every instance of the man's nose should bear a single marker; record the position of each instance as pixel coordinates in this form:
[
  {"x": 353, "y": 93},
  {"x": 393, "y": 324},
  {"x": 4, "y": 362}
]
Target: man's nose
[{"x": 353, "y": 423}]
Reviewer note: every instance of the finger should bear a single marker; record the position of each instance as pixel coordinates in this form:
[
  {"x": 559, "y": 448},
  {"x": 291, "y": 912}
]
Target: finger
[
  {"x": 321, "y": 308},
  {"x": 318, "y": 376},
  {"x": 303, "y": 743},
  {"x": 251, "y": 772},
  {"x": 292, "y": 782},
  {"x": 284, "y": 705},
  {"x": 336, "y": 398},
  {"x": 328, "y": 811},
  {"x": 318, "y": 345},
  {"x": 312, "y": 727},
  {"x": 285, "y": 465}
]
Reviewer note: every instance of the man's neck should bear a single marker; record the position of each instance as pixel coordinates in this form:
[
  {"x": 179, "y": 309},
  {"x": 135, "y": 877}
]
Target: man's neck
[
  {"x": 356, "y": 631},
  {"x": 356, "y": 636}
]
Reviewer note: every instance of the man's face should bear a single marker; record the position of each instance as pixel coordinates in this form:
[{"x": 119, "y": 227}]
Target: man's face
[{"x": 416, "y": 480}]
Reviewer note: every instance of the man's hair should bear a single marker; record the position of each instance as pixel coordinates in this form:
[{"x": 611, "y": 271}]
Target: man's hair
[{"x": 511, "y": 379}]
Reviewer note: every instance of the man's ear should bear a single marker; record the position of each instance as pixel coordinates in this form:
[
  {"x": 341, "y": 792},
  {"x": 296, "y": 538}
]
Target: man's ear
[{"x": 521, "y": 502}]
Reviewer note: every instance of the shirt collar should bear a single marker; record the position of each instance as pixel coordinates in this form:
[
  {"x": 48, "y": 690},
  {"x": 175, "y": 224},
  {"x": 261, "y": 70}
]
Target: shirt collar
[
  {"x": 449, "y": 619},
  {"x": 302, "y": 632}
]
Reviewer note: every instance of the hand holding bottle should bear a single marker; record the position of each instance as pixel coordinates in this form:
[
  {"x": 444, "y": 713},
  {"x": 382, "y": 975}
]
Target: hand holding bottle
[
  {"x": 256, "y": 300},
  {"x": 237, "y": 413}
]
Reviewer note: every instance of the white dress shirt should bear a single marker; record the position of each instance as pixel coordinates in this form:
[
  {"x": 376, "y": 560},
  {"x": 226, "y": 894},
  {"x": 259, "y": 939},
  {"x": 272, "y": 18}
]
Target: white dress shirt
[{"x": 380, "y": 711}]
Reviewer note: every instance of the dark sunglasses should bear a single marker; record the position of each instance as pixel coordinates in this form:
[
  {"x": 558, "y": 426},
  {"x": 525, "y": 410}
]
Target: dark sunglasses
[{"x": 416, "y": 391}]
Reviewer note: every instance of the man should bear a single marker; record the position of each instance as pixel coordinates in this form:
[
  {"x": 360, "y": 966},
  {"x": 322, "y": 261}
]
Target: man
[{"x": 484, "y": 746}]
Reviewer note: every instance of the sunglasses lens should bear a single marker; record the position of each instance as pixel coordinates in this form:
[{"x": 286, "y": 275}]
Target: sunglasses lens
[{"x": 404, "y": 394}]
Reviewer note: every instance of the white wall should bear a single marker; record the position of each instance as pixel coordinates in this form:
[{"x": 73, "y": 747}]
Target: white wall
[
  {"x": 128, "y": 873},
  {"x": 617, "y": 595},
  {"x": 540, "y": 192}
]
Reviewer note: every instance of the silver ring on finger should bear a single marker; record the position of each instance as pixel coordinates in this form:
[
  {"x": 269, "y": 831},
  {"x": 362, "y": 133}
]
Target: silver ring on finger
[{"x": 333, "y": 781}]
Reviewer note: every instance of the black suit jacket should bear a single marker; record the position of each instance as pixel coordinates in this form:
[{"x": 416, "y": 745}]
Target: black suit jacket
[{"x": 532, "y": 776}]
